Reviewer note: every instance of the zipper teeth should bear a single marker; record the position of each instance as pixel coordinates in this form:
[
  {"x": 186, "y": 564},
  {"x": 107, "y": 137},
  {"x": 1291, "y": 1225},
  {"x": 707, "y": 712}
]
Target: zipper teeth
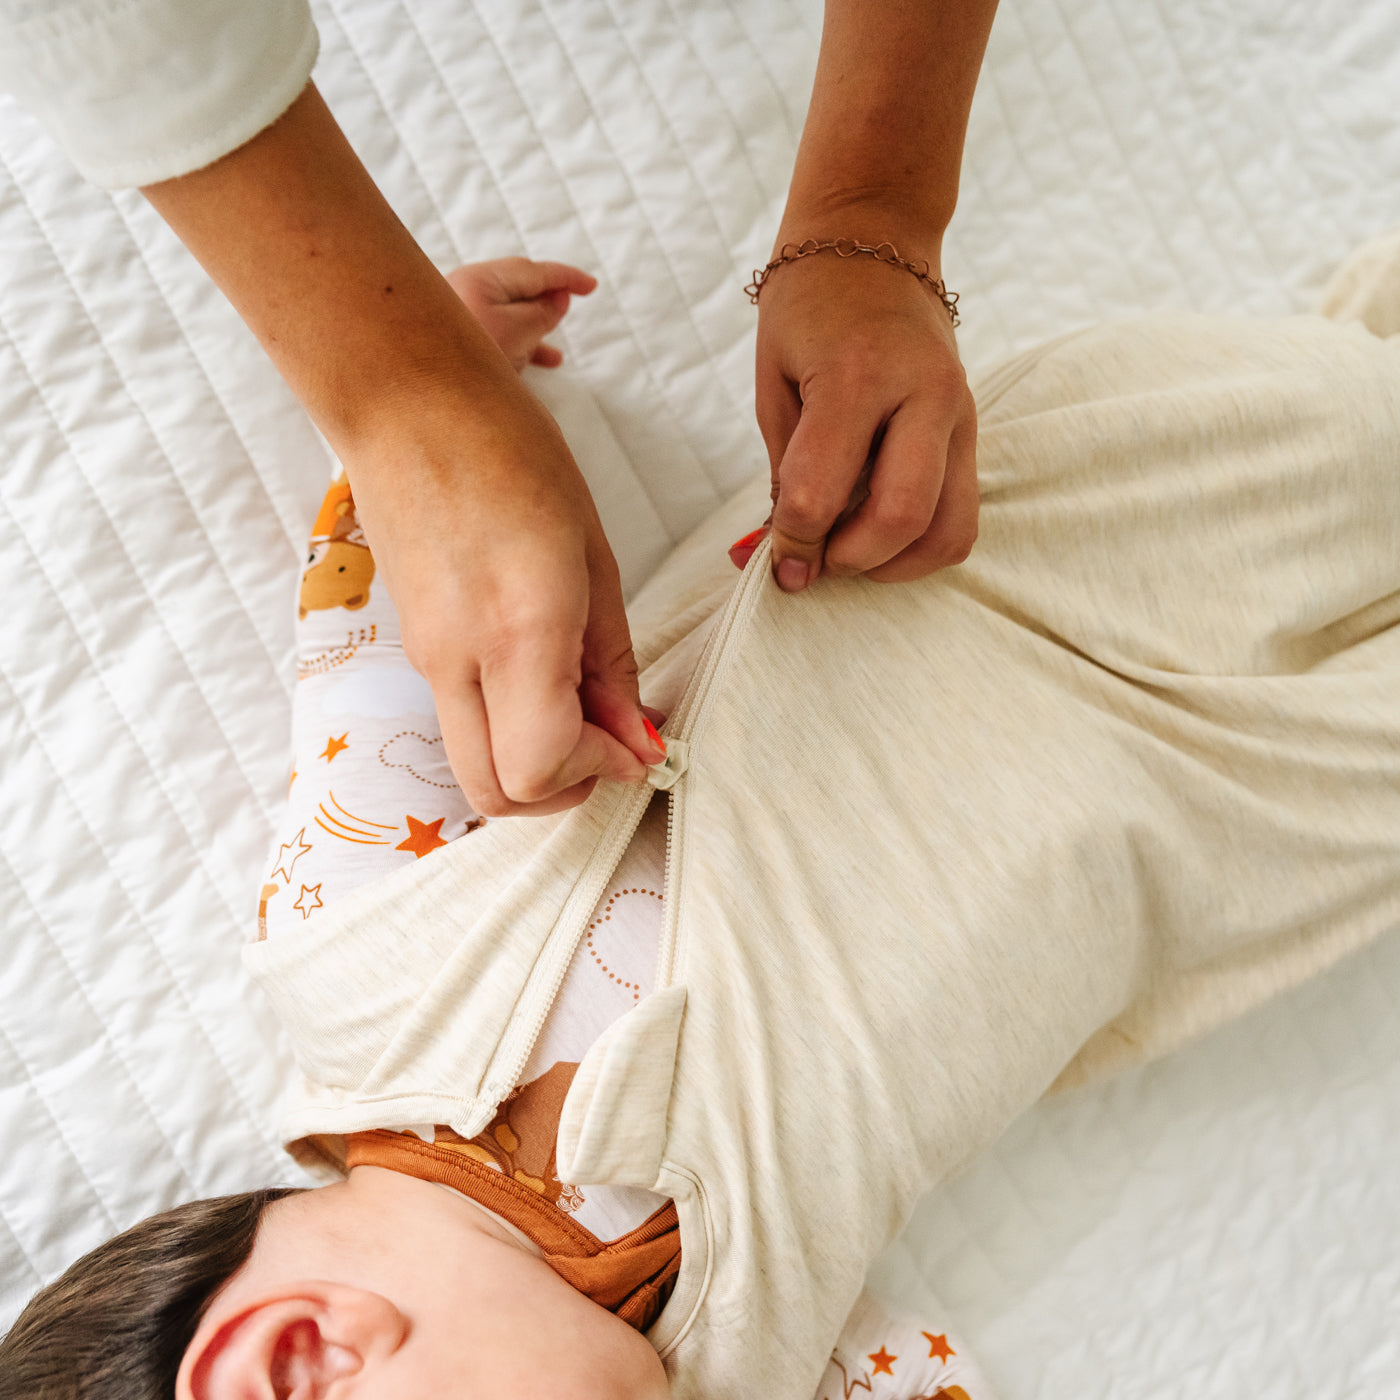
[
  {"x": 584, "y": 897},
  {"x": 621, "y": 825},
  {"x": 687, "y": 711},
  {"x": 690, "y": 707},
  {"x": 666, "y": 949}
]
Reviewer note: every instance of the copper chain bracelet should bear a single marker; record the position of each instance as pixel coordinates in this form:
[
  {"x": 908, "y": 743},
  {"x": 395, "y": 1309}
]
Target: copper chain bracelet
[{"x": 848, "y": 248}]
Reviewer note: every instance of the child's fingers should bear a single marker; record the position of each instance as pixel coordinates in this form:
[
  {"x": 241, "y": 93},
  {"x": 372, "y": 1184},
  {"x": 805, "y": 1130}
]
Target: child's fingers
[
  {"x": 521, "y": 326},
  {"x": 501, "y": 281},
  {"x": 564, "y": 277},
  {"x": 533, "y": 318},
  {"x": 519, "y": 302},
  {"x": 522, "y": 280},
  {"x": 555, "y": 302}
]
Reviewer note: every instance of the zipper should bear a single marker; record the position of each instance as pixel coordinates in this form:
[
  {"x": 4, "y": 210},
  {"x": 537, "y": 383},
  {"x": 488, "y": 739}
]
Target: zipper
[
  {"x": 520, "y": 1037},
  {"x": 686, "y": 720},
  {"x": 515, "y": 1048}
]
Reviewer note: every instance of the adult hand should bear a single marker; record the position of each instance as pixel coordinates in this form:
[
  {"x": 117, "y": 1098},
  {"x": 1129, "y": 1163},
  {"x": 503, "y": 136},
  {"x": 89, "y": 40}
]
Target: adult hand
[
  {"x": 506, "y": 589},
  {"x": 510, "y": 604},
  {"x": 476, "y": 512},
  {"x": 870, "y": 427}
]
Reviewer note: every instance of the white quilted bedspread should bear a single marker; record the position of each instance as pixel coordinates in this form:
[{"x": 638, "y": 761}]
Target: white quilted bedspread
[{"x": 1224, "y": 1224}]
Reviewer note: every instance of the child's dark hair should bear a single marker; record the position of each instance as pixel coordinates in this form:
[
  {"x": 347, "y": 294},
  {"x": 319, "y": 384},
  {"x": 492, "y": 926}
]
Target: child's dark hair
[{"x": 116, "y": 1325}]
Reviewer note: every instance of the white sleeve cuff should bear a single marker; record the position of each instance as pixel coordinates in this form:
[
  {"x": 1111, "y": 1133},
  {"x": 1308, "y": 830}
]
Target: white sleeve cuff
[{"x": 137, "y": 91}]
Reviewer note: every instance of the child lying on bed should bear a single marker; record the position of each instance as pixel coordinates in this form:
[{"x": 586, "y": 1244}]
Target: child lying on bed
[
  {"x": 547, "y": 1281},
  {"x": 653, "y": 1080}
]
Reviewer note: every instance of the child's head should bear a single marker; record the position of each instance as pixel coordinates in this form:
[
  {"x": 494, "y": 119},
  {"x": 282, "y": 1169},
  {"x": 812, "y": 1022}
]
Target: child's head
[
  {"x": 118, "y": 1322},
  {"x": 380, "y": 1286}
]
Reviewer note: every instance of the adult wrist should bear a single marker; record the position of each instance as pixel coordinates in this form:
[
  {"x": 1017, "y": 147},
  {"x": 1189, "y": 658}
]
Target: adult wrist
[
  {"x": 915, "y": 226},
  {"x": 438, "y": 417},
  {"x": 396, "y": 375}
]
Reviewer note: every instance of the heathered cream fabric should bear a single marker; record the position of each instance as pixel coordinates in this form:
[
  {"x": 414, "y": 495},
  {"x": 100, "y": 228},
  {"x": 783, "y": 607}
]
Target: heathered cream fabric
[{"x": 1131, "y": 769}]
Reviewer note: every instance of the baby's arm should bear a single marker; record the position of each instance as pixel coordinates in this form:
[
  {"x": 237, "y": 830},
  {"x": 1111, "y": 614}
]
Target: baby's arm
[{"x": 882, "y": 1355}]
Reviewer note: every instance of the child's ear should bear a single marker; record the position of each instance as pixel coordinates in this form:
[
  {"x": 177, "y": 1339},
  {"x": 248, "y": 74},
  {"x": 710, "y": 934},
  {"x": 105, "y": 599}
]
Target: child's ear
[{"x": 292, "y": 1345}]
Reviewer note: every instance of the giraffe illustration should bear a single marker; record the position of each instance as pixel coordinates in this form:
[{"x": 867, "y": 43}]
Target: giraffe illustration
[{"x": 340, "y": 567}]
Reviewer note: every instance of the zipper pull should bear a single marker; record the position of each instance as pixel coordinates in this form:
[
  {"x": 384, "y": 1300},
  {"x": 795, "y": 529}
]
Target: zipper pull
[{"x": 664, "y": 775}]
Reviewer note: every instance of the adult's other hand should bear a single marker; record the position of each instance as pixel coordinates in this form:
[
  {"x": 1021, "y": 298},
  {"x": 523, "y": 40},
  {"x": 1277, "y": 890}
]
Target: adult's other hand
[
  {"x": 862, "y": 401},
  {"x": 870, "y": 427}
]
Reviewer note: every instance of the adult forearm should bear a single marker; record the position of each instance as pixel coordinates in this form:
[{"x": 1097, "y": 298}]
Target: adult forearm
[
  {"x": 347, "y": 305},
  {"x": 884, "y": 135},
  {"x": 481, "y": 524}
]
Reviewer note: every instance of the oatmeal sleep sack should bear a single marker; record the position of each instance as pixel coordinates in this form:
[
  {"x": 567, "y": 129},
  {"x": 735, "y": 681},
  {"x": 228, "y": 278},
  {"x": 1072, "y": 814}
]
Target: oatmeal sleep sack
[
  {"x": 370, "y": 791},
  {"x": 1132, "y": 768}
]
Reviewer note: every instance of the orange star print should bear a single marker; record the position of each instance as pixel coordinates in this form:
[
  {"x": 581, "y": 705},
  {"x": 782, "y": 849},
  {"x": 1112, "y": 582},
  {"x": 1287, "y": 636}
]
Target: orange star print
[
  {"x": 422, "y": 837},
  {"x": 938, "y": 1346},
  {"x": 884, "y": 1362},
  {"x": 333, "y": 746},
  {"x": 307, "y": 906}
]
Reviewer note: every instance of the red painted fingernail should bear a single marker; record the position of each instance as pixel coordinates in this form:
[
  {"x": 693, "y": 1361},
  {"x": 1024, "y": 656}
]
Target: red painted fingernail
[
  {"x": 654, "y": 736},
  {"x": 741, "y": 551}
]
